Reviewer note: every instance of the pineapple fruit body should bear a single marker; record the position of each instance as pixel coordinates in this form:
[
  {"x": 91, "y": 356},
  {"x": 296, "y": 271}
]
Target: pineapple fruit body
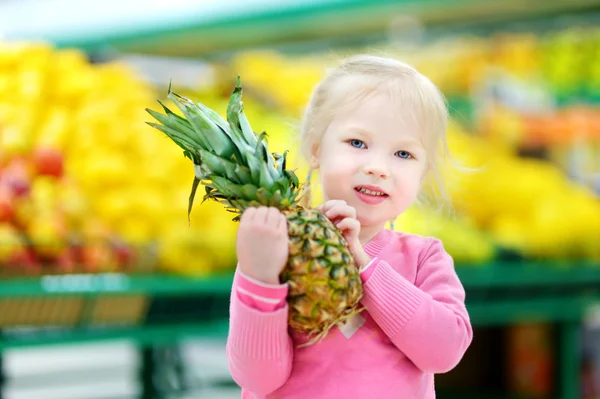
[{"x": 324, "y": 284}]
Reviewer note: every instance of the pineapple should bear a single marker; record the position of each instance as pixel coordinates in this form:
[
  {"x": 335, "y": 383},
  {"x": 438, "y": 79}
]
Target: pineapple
[{"x": 234, "y": 165}]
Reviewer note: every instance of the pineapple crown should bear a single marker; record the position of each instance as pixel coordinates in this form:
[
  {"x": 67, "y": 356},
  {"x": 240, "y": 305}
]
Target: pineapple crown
[{"x": 230, "y": 159}]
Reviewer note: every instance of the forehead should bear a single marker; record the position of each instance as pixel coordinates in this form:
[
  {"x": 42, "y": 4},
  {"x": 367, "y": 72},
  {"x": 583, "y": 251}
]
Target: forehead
[{"x": 378, "y": 114}]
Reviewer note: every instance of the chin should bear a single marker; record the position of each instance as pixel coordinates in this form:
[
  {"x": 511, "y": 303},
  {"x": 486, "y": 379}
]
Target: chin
[{"x": 366, "y": 221}]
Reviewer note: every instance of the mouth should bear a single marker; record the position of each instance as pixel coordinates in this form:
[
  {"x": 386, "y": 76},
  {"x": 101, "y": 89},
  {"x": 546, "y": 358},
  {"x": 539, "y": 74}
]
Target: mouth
[{"x": 371, "y": 190}]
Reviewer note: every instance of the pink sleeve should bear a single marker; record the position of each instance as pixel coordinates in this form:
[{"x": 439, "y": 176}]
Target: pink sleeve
[
  {"x": 366, "y": 272},
  {"x": 428, "y": 320},
  {"x": 259, "y": 348},
  {"x": 261, "y": 296}
]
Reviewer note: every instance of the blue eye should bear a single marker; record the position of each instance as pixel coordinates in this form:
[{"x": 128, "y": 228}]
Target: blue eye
[
  {"x": 356, "y": 143},
  {"x": 404, "y": 154}
]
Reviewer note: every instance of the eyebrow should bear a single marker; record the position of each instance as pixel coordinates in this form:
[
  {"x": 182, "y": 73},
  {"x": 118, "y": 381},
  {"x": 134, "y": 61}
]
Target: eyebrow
[
  {"x": 360, "y": 131},
  {"x": 409, "y": 142},
  {"x": 412, "y": 143}
]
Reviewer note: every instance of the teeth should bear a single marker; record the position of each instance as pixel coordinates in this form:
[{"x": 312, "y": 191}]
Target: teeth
[{"x": 369, "y": 192}]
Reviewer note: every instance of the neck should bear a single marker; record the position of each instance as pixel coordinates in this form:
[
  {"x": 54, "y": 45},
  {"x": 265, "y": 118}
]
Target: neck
[{"x": 368, "y": 232}]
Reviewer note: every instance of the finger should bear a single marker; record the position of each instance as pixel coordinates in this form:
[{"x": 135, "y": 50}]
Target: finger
[
  {"x": 272, "y": 216},
  {"x": 348, "y": 224},
  {"x": 247, "y": 215},
  {"x": 330, "y": 204},
  {"x": 337, "y": 211},
  {"x": 261, "y": 215},
  {"x": 282, "y": 225},
  {"x": 341, "y": 210}
]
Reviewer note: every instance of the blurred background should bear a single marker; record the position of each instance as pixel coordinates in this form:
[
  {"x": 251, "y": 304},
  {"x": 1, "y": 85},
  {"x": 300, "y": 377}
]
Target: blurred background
[{"x": 106, "y": 292}]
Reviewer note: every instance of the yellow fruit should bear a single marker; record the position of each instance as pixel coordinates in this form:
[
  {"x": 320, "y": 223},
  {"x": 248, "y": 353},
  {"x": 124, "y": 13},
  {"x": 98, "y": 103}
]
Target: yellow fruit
[
  {"x": 48, "y": 235},
  {"x": 55, "y": 128},
  {"x": 509, "y": 232},
  {"x": 10, "y": 242},
  {"x": 44, "y": 192},
  {"x": 73, "y": 205},
  {"x": 136, "y": 231},
  {"x": 461, "y": 238},
  {"x": 15, "y": 142}
]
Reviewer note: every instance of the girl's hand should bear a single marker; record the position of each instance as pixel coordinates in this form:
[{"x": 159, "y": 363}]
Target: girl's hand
[
  {"x": 262, "y": 244},
  {"x": 343, "y": 217}
]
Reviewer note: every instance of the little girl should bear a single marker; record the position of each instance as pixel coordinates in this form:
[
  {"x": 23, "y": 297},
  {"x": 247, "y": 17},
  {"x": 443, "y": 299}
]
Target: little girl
[{"x": 375, "y": 131}]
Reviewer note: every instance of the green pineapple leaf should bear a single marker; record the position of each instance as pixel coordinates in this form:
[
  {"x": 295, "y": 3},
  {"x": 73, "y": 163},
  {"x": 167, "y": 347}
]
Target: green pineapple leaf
[
  {"x": 265, "y": 178},
  {"x": 293, "y": 179},
  {"x": 177, "y": 120},
  {"x": 192, "y": 196},
  {"x": 182, "y": 141},
  {"x": 254, "y": 165},
  {"x": 249, "y": 191},
  {"x": 262, "y": 196},
  {"x": 275, "y": 200},
  {"x": 235, "y": 114},
  {"x": 204, "y": 128}
]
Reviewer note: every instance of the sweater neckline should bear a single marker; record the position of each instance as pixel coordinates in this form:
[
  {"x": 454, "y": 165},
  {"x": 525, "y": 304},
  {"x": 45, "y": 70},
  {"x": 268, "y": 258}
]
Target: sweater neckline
[{"x": 377, "y": 243}]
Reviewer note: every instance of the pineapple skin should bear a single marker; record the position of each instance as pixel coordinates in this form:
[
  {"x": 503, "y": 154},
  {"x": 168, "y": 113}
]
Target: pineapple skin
[{"x": 324, "y": 283}]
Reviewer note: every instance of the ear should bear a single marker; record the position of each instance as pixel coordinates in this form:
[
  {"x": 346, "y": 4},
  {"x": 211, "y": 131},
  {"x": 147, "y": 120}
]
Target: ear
[{"x": 314, "y": 156}]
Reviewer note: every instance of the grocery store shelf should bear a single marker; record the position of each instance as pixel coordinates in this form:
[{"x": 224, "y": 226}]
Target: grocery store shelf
[
  {"x": 137, "y": 305},
  {"x": 500, "y": 293},
  {"x": 196, "y": 28},
  {"x": 153, "y": 311},
  {"x": 528, "y": 274},
  {"x": 495, "y": 275},
  {"x": 532, "y": 310},
  {"x": 149, "y": 335},
  {"x": 112, "y": 284}
]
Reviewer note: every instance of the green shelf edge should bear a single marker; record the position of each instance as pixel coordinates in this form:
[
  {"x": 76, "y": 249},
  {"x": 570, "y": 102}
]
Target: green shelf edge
[
  {"x": 484, "y": 310},
  {"x": 113, "y": 284},
  {"x": 495, "y": 275},
  {"x": 143, "y": 335},
  {"x": 529, "y": 274},
  {"x": 566, "y": 310},
  {"x": 570, "y": 309},
  {"x": 193, "y": 33}
]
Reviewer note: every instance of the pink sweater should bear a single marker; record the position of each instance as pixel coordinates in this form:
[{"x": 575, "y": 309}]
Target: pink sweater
[{"x": 415, "y": 325}]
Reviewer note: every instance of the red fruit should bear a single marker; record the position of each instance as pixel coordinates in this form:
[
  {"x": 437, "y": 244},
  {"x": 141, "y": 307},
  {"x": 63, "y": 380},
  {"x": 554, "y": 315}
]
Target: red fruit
[
  {"x": 21, "y": 188},
  {"x": 124, "y": 255},
  {"x": 48, "y": 161},
  {"x": 24, "y": 258},
  {"x": 7, "y": 206},
  {"x": 98, "y": 258},
  {"x": 66, "y": 261},
  {"x": 17, "y": 177}
]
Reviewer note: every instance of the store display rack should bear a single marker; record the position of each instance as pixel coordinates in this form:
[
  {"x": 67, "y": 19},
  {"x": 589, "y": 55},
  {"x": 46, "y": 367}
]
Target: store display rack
[{"x": 157, "y": 310}]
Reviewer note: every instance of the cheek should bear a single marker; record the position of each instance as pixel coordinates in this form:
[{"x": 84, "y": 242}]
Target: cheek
[
  {"x": 407, "y": 188},
  {"x": 336, "y": 176}
]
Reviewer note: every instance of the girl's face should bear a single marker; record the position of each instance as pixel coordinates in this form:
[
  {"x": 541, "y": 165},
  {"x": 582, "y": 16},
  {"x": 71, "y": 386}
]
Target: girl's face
[{"x": 372, "y": 159}]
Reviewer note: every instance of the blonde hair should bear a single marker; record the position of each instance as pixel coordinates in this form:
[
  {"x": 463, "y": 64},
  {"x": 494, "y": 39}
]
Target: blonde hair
[{"x": 415, "y": 97}]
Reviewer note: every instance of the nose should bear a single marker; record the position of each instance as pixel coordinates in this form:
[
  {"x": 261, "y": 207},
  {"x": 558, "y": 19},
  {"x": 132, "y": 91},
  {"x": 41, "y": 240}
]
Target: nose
[{"x": 375, "y": 166}]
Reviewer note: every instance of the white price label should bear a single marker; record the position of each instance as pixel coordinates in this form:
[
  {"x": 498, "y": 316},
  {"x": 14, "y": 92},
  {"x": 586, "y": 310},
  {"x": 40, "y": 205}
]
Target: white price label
[
  {"x": 592, "y": 316},
  {"x": 85, "y": 283}
]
